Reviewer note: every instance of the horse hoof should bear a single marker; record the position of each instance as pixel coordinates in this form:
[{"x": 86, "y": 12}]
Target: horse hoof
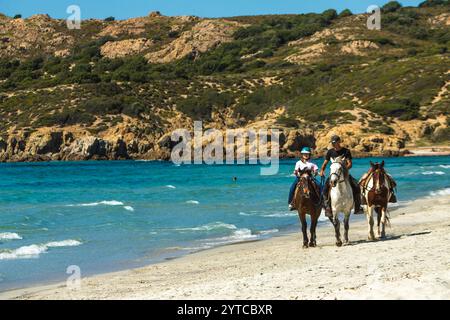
[
  {"x": 346, "y": 243},
  {"x": 339, "y": 243},
  {"x": 382, "y": 236},
  {"x": 371, "y": 238},
  {"x": 312, "y": 244},
  {"x": 305, "y": 246}
]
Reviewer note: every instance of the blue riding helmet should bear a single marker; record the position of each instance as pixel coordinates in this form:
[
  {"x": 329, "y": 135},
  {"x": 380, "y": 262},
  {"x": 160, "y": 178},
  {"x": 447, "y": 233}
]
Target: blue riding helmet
[{"x": 306, "y": 150}]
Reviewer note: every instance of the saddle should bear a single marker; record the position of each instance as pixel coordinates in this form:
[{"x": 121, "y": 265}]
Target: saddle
[{"x": 366, "y": 177}]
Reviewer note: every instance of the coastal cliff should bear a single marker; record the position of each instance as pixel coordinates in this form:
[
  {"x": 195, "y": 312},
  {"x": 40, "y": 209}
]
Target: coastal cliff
[{"x": 117, "y": 89}]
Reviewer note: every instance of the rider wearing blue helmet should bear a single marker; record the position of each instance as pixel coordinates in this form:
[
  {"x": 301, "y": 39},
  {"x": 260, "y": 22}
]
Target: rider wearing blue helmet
[{"x": 304, "y": 163}]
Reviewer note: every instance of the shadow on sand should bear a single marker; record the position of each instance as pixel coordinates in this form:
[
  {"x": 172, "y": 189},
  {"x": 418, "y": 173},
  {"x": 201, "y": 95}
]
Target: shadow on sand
[{"x": 388, "y": 238}]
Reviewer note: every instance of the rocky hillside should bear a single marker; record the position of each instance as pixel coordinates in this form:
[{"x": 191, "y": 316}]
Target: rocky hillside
[{"x": 117, "y": 89}]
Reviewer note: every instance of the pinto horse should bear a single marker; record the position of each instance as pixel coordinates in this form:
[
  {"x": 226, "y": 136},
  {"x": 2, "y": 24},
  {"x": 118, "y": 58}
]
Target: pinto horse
[
  {"x": 375, "y": 185},
  {"x": 307, "y": 201}
]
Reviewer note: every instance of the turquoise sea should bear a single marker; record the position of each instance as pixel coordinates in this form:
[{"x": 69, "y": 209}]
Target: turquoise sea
[{"x": 107, "y": 216}]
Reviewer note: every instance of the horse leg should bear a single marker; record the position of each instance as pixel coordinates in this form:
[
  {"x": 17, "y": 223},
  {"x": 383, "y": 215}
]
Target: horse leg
[
  {"x": 337, "y": 230},
  {"x": 383, "y": 222},
  {"x": 370, "y": 222},
  {"x": 346, "y": 227},
  {"x": 304, "y": 229},
  {"x": 314, "y": 218},
  {"x": 378, "y": 211}
]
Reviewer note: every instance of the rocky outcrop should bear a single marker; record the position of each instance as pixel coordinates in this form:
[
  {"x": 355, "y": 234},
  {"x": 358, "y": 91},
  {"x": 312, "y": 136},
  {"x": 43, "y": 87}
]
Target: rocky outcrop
[
  {"x": 441, "y": 20},
  {"x": 24, "y": 37},
  {"x": 203, "y": 36},
  {"x": 308, "y": 54},
  {"x": 359, "y": 47},
  {"x": 71, "y": 146},
  {"x": 120, "y": 49}
]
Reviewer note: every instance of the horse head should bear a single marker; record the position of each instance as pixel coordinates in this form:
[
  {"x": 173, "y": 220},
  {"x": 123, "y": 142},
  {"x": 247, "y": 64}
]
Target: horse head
[
  {"x": 305, "y": 176},
  {"x": 378, "y": 176},
  {"x": 337, "y": 170}
]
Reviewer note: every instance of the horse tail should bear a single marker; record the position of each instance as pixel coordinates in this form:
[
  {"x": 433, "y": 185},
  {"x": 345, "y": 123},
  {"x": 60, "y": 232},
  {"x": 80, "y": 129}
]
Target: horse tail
[{"x": 388, "y": 218}]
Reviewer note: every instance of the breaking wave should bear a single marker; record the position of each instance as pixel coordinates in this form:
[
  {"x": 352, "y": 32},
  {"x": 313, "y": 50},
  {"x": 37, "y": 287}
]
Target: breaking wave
[
  {"x": 10, "y": 236},
  {"x": 35, "y": 250}
]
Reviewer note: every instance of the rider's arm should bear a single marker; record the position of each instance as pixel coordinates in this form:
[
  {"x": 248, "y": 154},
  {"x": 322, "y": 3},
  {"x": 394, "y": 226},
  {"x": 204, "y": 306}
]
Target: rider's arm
[
  {"x": 324, "y": 165},
  {"x": 349, "y": 163}
]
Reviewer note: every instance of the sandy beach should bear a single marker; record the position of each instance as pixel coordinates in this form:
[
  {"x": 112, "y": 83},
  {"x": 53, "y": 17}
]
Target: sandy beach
[{"x": 413, "y": 263}]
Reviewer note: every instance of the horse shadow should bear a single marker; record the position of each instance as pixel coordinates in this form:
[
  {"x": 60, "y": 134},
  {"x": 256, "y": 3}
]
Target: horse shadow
[{"x": 388, "y": 238}]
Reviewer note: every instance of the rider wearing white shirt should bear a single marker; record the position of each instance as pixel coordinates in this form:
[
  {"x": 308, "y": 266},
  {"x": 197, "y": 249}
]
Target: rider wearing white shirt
[
  {"x": 299, "y": 166},
  {"x": 302, "y": 164}
]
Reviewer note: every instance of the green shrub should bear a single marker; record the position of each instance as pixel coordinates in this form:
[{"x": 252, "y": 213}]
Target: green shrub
[
  {"x": 66, "y": 117},
  {"x": 288, "y": 122},
  {"x": 403, "y": 109},
  {"x": 345, "y": 13},
  {"x": 434, "y": 3},
  {"x": 201, "y": 107},
  {"x": 391, "y": 6}
]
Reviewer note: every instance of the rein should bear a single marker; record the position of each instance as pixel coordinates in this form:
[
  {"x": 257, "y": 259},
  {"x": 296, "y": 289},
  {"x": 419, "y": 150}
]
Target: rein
[
  {"x": 367, "y": 180},
  {"x": 339, "y": 175}
]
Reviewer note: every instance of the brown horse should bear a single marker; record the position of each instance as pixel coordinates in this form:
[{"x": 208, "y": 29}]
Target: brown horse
[
  {"x": 376, "y": 190},
  {"x": 307, "y": 201}
]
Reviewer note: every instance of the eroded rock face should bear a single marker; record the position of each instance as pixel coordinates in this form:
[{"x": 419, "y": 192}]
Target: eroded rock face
[
  {"x": 119, "y": 49},
  {"x": 37, "y": 33},
  {"x": 441, "y": 20},
  {"x": 308, "y": 53},
  {"x": 203, "y": 36},
  {"x": 359, "y": 47},
  {"x": 66, "y": 145}
]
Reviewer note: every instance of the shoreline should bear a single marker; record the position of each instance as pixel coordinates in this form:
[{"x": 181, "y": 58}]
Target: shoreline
[
  {"x": 244, "y": 271},
  {"x": 404, "y": 153}
]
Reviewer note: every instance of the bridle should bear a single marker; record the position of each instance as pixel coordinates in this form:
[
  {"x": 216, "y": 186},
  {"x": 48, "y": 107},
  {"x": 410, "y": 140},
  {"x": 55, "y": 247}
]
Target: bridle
[
  {"x": 304, "y": 184},
  {"x": 338, "y": 174},
  {"x": 378, "y": 177}
]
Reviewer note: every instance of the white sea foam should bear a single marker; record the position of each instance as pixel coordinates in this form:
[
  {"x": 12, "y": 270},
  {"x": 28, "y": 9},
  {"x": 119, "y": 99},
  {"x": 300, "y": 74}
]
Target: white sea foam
[
  {"x": 210, "y": 227},
  {"x": 239, "y": 235},
  {"x": 94, "y": 204},
  {"x": 10, "y": 236},
  {"x": 445, "y": 166},
  {"x": 64, "y": 243},
  {"x": 34, "y": 250},
  {"x": 439, "y": 173},
  {"x": 442, "y": 192},
  {"x": 270, "y": 231},
  {"x": 170, "y": 186},
  {"x": 280, "y": 214},
  {"x": 129, "y": 208},
  {"x": 192, "y": 202}
]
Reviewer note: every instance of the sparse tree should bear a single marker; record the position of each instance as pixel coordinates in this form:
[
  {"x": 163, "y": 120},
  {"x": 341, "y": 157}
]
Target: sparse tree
[
  {"x": 391, "y": 6},
  {"x": 345, "y": 13}
]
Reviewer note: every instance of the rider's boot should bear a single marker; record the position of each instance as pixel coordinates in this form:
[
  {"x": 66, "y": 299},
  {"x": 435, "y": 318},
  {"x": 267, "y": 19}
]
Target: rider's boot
[
  {"x": 358, "y": 208},
  {"x": 326, "y": 199},
  {"x": 356, "y": 195}
]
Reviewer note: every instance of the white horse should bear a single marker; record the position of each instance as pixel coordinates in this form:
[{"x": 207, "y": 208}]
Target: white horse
[{"x": 341, "y": 197}]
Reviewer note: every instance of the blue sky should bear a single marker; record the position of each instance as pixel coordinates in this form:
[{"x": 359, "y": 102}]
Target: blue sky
[{"x": 123, "y": 9}]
